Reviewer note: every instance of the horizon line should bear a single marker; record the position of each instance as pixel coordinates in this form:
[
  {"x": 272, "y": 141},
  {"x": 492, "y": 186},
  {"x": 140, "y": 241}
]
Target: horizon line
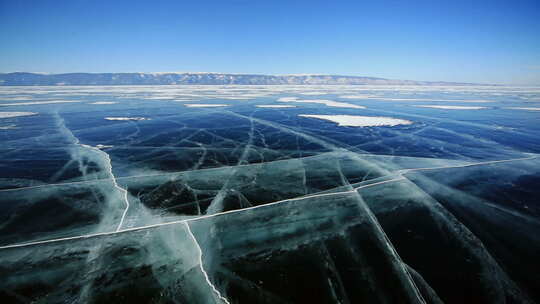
[{"x": 260, "y": 74}]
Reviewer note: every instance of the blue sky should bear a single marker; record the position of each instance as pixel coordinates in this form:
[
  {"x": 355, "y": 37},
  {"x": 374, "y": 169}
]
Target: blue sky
[{"x": 478, "y": 41}]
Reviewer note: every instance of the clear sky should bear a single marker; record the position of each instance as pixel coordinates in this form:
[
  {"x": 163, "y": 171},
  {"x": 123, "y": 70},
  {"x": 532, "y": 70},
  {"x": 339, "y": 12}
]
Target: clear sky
[{"x": 488, "y": 41}]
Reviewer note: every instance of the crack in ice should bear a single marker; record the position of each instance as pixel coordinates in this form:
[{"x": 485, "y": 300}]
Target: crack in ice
[
  {"x": 115, "y": 184},
  {"x": 353, "y": 190},
  {"x": 87, "y": 236},
  {"x": 107, "y": 164},
  {"x": 201, "y": 265},
  {"x": 405, "y": 171}
]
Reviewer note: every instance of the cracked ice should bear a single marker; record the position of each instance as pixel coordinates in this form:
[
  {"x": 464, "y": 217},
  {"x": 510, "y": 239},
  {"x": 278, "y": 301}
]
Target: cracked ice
[{"x": 251, "y": 194}]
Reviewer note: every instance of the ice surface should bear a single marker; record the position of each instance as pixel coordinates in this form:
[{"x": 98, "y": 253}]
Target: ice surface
[{"x": 127, "y": 195}]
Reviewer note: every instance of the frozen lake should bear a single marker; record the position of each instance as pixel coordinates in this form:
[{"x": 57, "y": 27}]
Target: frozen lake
[{"x": 270, "y": 194}]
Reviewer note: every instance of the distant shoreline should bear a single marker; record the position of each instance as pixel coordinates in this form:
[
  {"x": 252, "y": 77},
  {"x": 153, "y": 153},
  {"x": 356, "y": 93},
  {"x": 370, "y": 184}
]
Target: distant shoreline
[{"x": 190, "y": 78}]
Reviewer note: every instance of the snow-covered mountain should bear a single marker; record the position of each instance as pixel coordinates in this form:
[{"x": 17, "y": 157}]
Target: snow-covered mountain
[{"x": 22, "y": 78}]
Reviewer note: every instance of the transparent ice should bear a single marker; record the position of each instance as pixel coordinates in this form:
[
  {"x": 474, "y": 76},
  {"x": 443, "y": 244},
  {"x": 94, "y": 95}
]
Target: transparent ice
[{"x": 245, "y": 204}]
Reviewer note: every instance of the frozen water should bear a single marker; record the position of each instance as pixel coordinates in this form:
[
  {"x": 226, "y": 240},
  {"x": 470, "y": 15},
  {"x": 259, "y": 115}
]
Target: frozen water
[{"x": 131, "y": 195}]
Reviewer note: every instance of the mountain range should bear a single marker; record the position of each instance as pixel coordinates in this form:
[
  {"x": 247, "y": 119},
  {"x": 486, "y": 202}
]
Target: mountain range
[{"x": 32, "y": 79}]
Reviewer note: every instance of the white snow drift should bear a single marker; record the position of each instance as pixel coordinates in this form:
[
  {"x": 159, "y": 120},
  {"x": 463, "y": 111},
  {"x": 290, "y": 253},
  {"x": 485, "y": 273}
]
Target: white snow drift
[
  {"x": 15, "y": 114},
  {"x": 360, "y": 121},
  {"x": 450, "y": 107},
  {"x": 275, "y": 106},
  {"x": 126, "y": 118},
  {"x": 204, "y": 105},
  {"x": 329, "y": 103}
]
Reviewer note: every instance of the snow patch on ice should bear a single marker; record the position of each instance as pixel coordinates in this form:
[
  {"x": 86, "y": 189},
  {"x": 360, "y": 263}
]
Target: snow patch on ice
[
  {"x": 15, "y": 114},
  {"x": 524, "y": 108},
  {"x": 275, "y": 106},
  {"x": 287, "y": 99},
  {"x": 8, "y": 127},
  {"x": 127, "y": 118},
  {"x": 329, "y": 103},
  {"x": 360, "y": 121},
  {"x": 433, "y": 99},
  {"x": 100, "y": 146},
  {"x": 313, "y": 93},
  {"x": 38, "y": 102},
  {"x": 357, "y": 96},
  {"x": 450, "y": 107},
  {"x": 204, "y": 105},
  {"x": 103, "y": 102}
]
